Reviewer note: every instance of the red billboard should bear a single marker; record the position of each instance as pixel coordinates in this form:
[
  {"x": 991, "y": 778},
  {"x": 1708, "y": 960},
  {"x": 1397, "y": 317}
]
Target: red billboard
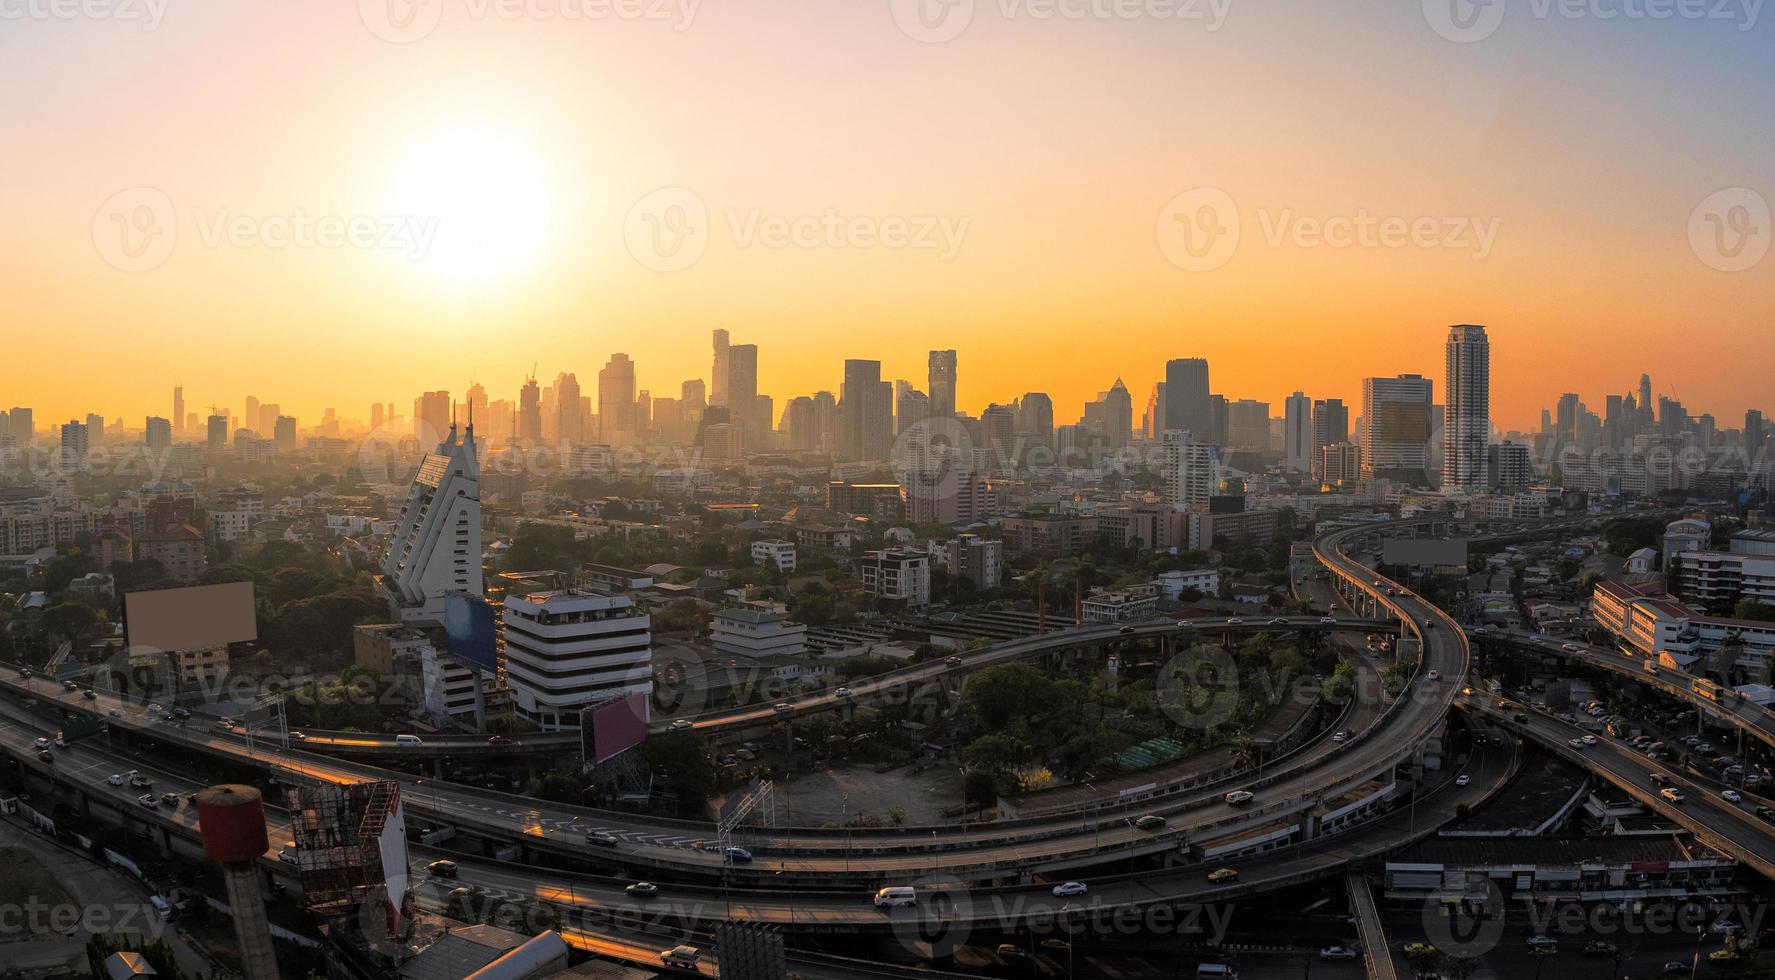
[{"x": 609, "y": 729}]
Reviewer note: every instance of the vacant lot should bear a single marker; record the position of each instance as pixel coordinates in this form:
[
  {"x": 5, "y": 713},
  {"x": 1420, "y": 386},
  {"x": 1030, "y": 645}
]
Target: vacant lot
[
  {"x": 818, "y": 797},
  {"x": 27, "y": 881}
]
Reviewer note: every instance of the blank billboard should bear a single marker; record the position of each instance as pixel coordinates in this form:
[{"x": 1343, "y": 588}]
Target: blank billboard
[
  {"x": 193, "y": 618},
  {"x": 468, "y": 631},
  {"x": 1425, "y": 551},
  {"x": 612, "y": 728}
]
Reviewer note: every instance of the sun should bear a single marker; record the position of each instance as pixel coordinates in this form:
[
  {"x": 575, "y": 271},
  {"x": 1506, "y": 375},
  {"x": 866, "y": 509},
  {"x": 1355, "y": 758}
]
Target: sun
[{"x": 483, "y": 197}]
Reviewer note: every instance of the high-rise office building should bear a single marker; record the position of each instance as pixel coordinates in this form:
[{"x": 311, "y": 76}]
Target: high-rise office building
[
  {"x": 377, "y": 418},
  {"x": 1192, "y": 470},
  {"x": 911, "y": 408},
  {"x": 1396, "y": 427},
  {"x": 178, "y": 419},
  {"x": 742, "y": 392},
  {"x": 1466, "y": 427},
  {"x": 530, "y": 413},
  {"x": 431, "y": 415},
  {"x": 1509, "y": 467},
  {"x": 157, "y": 434},
  {"x": 250, "y": 420},
  {"x": 941, "y": 383},
  {"x": 283, "y": 433},
  {"x": 1331, "y": 424},
  {"x": 216, "y": 433},
  {"x": 436, "y": 547},
  {"x": 1035, "y": 418},
  {"x": 24, "y": 428},
  {"x": 718, "y": 372},
  {"x": 1298, "y": 445},
  {"x": 616, "y": 402},
  {"x": 95, "y": 429},
  {"x": 74, "y": 447},
  {"x": 1111, "y": 415},
  {"x": 867, "y": 407},
  {"x": 1187, "y": 405},
  {"x": 1152, "y": 424},
  {"x": 1248, "y": 425},
  {"x": 569, "y": 413}
]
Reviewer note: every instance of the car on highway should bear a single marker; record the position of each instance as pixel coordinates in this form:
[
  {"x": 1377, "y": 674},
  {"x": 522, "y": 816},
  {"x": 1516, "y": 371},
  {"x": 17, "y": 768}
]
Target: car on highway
[
  {"x": 1278, "y": 621},
  {"x": 115, "y": 779},
  {"x": 1339, "y": 738},
  {"x": 170, "y": 799},
  {"x": 844, "y": 692},
  {"x": 736, "y": 855},
  {"x": 1434, "y": 675},
  {"x": 1542, "y": 941},
  {"x": 287, "y": 853},
  {"x": 1235, "y": 621},
  {"x": 89, "y": 694},
  {"x": 1070, "y": 888},
  {"x": 1658, "y": 779},
  {"x": 1571, "y": 648},
  {"x": 148, "y": 800},
  {"x": 602, "y": 838},
  {"x": 1765, "y": 814},
  {"x": 642, "y": 889},
  {"x": 1418, "y": 950},
  {"x": 69, "y": 686},
  {"x": 1675, "y": 968},
  {"x": 1125, "y": 629},
  {"x": 1223, "y": 874},
  {"x": 1724, "y": 925},
  {"x": 1466, "y": 692},
  {"x": 1725, "y": 954},
  {"x": 1463, "y": 779},
  {"x": 952, "y": 661},
  {"x": 42, "y": 743},
  {"x": 895, "y": 896},
  {"x": 1732, "y": 795},
  {"x": 500, "y": 740},
  {"x": 140, "y": 781},
  {"x": 1338, "y": 953},
  {"x": 1597, "y": 947},
  {"x": 1575, "y": 742},
  {"x": 441, "y": 869},
  {"x": 298, "y": 737},
  {"x": 1672, "y": 794},
  {"x": 682, "y": 957},
  {"x": 1587, "y": 739},
  {"x": 1238, "y": 797},
  {"x": 45, "y": 756},
  {"x": 1151, "y": 821},
  {"x": 682, "y": 724},
  {"x": 782, "y": 707},
  {"x": 1056, "y": 945},
  {"x": 1011, "y": 951}
]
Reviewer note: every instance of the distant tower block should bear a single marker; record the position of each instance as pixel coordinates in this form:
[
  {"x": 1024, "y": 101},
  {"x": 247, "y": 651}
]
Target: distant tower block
[{"x": 232, "y": 822}]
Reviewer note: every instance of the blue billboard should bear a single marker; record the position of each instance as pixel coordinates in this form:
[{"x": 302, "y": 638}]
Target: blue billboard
[{"x": 468, "y": 631}]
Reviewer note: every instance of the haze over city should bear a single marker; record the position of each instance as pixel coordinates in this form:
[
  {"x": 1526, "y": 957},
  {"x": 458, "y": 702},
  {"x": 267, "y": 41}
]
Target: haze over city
[{"x": 1035, "y": 489}]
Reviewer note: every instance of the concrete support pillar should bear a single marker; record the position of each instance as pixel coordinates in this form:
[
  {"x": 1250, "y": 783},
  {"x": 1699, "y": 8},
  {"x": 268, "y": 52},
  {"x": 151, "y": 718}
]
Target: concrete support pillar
[{"x": 251, "y": 926}]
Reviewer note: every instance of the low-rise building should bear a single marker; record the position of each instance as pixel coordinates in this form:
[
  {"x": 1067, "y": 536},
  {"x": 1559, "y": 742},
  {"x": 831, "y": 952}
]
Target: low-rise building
[
  {"x": 1123, "y": 606},
  {"x": 776, "y": 552},
  {"x": 1656, "y": 626},
  {"x": 756, "y": 634},
  {"x": 897, "y": 575},
  {"x": 179, "y": 550}
]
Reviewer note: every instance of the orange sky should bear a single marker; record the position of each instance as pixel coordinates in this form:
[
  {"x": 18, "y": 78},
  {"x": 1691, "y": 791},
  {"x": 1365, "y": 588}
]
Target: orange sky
[{"x": 528, "y": 143}]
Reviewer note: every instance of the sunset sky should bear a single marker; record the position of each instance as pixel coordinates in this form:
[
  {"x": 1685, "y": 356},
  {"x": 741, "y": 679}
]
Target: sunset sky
[{"x": 1050, "y": 150}]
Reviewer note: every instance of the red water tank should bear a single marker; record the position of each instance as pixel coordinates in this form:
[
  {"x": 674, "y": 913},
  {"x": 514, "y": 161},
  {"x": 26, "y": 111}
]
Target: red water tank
[{"x": 232, "y": 821}]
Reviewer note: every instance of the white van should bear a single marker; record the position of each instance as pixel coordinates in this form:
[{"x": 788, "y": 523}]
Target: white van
[
  {"x": 1215, "y": 971},
  {"x": 1238, "y": 797},
  {"x": 408, "y": 740},
  {"x": 681, "y": 956},
  {"x": 162, "y": 907},
  {"x": 896, "y": 896}
]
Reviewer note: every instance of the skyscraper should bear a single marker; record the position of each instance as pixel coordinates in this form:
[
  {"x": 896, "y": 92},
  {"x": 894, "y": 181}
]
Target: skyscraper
[
  {"x": 178, "y": 419},
  {"x": 1111, "y": 415},
  {"x": 530, "y": 413},
  {"x": 1187, "y": 406},
  {"x": 616, "y": 401},
  {"x": 217, "y": 433},
  {"x": 1035, "y": 418},
  {"x": 283, "y": 433},
  {"x": 1192, "y": 470},
  {"x": 742, "y": 392},
  {"x": 1331, "y": 424},
  {"x": 23, "y": 427},
  {"x": 942, "y": 383},
  {"x": 1298, "y": 446},
  {"x": 718, "y": 372},
  {"x": 1466, "y": 427},
  {"x": 74, "y": 447},
  {"x": 867, "y": 407},
  {"x": 157, "y": 434},
  {"x": 569, "y": 419},
  {"x": 436, "y": 548},
  {"x": 1396, "y": 427}
]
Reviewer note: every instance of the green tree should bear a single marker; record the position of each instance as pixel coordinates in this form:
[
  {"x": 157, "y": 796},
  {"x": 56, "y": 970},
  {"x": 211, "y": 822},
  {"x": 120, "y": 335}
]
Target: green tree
[{"x": 1006, "y": 691}]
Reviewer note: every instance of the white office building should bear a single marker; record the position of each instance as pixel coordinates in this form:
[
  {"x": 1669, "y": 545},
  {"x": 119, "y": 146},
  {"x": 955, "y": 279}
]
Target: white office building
[
  {"x": 756, "y": 634},
  {"x": 436, "y": 548},
  {"x": 776, "y": 552},
  {"x": 1192, "y": 470},
  {"x": 897, "y": 575},
  {"x": 567, "y": 650}
]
